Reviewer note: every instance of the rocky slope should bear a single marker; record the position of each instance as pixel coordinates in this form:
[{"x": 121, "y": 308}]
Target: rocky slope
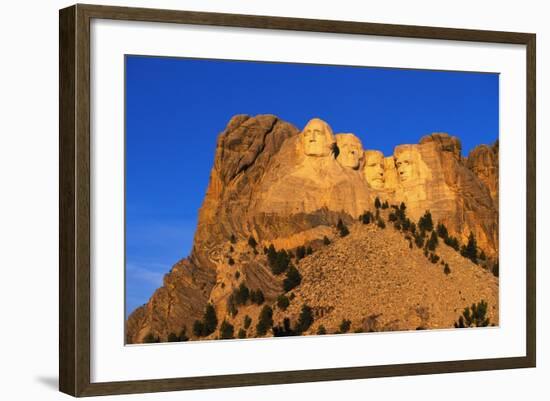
[{"x": 280, "y": 186}]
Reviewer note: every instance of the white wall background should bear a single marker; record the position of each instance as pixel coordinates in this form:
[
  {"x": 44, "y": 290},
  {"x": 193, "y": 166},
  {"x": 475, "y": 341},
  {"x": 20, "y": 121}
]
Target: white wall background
[{"x": 29, "y": 185}]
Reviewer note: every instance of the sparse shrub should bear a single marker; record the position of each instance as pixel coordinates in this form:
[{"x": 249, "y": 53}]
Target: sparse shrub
[
  {"x": 292, "y": 280},
  {"x": 434, "y": 258},
  {"x": 226, "y": 330},
  {"x": 321, "y": 330},
  {"x": 309, "y": 250},
  {"x": 247, "y": 321},
  {"x": 241, "y": 333},
  {"x": 342, "y": 228},
  {"x": 252, "y": 242},
  {"x": 231, "y": 261},
  {"x": 380, "y": 223},
  {"x": 283, "y": 302},
  {"x": 305, "y": 319},
  {"x": 474, "y": 316},
  {"x": 265, "y": 321},
  {"x": 326, "y": 241},
  {"x": 447, "y": 269},
  {"x": 344, "y": 326},
  {"x": 291, "y": 296},
  {"x": 392, "y": 217}
]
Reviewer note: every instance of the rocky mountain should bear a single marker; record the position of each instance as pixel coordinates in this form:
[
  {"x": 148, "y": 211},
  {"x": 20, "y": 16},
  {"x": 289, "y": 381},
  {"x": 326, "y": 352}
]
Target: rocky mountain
[{"x": 311, "y": 217}]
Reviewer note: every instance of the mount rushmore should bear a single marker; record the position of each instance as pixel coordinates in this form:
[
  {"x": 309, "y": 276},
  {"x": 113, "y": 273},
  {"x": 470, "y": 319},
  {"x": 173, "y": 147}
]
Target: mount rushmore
[{"x": 274, "y": 186}]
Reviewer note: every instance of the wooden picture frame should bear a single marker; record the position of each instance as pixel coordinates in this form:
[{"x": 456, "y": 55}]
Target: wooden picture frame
[{"x": 74, "y": 199}]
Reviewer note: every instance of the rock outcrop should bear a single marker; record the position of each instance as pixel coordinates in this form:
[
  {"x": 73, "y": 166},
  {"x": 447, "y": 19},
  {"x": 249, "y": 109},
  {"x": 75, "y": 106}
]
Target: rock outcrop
[
  {"x": 280, "y": 186},
  {"x": 483, "y": 161}
]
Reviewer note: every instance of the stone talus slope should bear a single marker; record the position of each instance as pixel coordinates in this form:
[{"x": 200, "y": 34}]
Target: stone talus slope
[{"x": 374, "y": 279}]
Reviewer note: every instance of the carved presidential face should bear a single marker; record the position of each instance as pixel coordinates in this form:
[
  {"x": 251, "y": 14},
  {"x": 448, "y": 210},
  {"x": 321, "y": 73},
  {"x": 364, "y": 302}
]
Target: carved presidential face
[
  {"x": 405, "y": 162},
  {"x": 317, "y": 138},
  {"x": 374, "y": 168},
  {"x": 350, "y": 150}
]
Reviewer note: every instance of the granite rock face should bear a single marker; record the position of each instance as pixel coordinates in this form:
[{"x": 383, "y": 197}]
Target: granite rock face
[
  {"x": 483, "y": 162},
  {"x": 289, "y": 188}
]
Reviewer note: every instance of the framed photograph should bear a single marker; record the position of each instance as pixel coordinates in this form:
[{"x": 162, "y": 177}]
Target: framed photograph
[{"x": 249, "y": 200}]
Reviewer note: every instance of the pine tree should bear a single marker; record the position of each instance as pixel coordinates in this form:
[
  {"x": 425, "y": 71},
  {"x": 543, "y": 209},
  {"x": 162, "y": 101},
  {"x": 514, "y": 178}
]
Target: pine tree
[
  {"x": 377, "y": 203},
  {"x": 210, "y": 320},
  {"x": 226, "y": 330},
  {"x": 252, "y": 242},
  {"x": 172, "y": 338},
  {"x": 321, "y": 330},
  {"x": 233, "y": 239},
  {"x": 283, "y": 302},
  {"x": 265, "y": 321},
  {"x": 305, "y": 319},
  {"x": 241, "y": 333},
  {"x": 432, "y": 243},
  {"x": 470, "y": 250},
  {"x": 247, "y": 321},
  {"x": 326, "y": 241},
  {"x": 442, "y": 231},
  {"x": 300, "y": 252}
]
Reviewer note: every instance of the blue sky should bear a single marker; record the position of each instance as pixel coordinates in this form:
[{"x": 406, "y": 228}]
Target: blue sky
[{"x": 176, "y": 107}]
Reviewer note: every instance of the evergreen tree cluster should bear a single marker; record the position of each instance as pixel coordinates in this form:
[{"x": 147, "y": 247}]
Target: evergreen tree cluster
[
  {"x": 241, "y": 295},
  {"x": 474, "y": 316},
  {"x": 367, "y": 217},
  {"x": 208, "y": 324},
  {"x": 279, "y": 261},
  {"x": 292, "y": 280}
]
